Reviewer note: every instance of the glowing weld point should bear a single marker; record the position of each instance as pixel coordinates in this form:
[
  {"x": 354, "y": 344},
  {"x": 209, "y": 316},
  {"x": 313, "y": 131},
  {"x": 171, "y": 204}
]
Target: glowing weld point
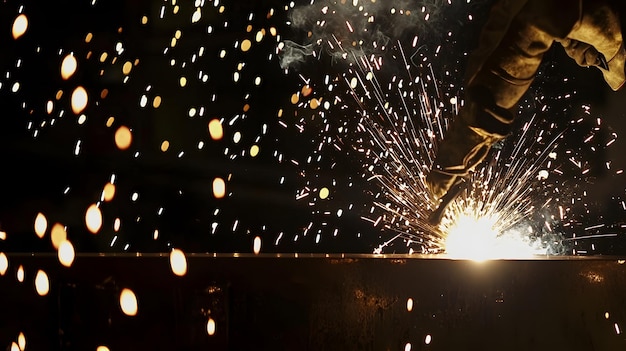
[{"x": 475, "y": 239}]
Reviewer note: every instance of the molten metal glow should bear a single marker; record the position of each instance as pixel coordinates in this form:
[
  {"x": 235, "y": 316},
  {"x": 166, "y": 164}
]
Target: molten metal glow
[{"x": 477, "y": 238}]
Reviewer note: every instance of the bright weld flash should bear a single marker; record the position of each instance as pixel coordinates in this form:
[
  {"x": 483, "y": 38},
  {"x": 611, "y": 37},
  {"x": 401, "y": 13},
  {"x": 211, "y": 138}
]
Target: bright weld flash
[{"x": 475, "y": 238}]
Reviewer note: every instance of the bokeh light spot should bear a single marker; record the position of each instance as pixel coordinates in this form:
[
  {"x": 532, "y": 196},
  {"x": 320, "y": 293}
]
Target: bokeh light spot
[
  {"x": 210, "y": 326},
  {"x": 127, "y": 67},
  {"x": 57, "y": 235},
  {"x": 108, "y": 193},
  {"x": 41, "y": 224},
  {"x": 79, "y": 99},
  {"x": 156, "y": 102},
  {"x": 215, "y": 129},
  {"x": 178, "y": 262},
  {"x": 219, "y": 188},
  {"x": 245, "y": 45},
  {"x": 68, "y": 66},
  {"x": 256, "y": 246},
  {"x": 20, "y": 274},
  {"x": 42, "y": 284},
  {"x": 324, "y": 192},
  {"x": 4, "y": 263},
  {"x": 128, "y": 302},
  {"x": 20, "y": 25},
  {"x": 21, "y": 341},
  {"x": 66, "y": 253},
  {"x": 93, "y": 218},
  {"x": 123, "y": 138}
]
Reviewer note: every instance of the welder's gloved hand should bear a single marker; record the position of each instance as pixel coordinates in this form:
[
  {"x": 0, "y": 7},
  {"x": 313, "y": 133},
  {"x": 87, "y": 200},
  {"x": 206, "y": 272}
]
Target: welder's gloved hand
[
  {"x": 584, "y": 54},
  {"x": 479, "y": 125},
  {"x": 597, "y": 40},
  {"x": 587, "y": 55}
]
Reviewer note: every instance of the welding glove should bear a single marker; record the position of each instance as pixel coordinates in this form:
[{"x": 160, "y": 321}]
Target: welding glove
[{"x": 511, "y": 48}]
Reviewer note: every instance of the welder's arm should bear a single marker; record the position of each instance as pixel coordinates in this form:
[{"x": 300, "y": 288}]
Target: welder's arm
[{"x": 500, "y": 71}]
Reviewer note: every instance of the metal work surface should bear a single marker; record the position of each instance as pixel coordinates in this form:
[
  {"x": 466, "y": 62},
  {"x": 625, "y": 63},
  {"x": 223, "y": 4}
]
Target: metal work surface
[{"x": 318, "y": 302}]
